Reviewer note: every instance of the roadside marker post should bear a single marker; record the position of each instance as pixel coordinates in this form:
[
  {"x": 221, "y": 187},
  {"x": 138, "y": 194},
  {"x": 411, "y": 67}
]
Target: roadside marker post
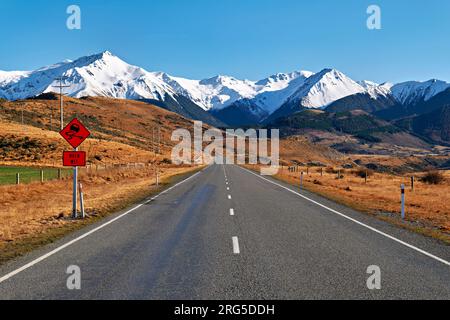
[
  {"x": 403, "y": 200},
  {"x": 17, "y": 178},
  {"x": 42, "y": 176},
  {"x": 75, "y": 133},
  {"x": 412, "y": 183}
]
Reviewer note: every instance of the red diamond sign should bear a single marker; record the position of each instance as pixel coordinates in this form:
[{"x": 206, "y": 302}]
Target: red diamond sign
[{"x": 75, "y": 133}]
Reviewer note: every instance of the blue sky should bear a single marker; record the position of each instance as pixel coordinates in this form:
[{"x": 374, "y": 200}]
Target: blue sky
[{"x": 243, "y": 38}]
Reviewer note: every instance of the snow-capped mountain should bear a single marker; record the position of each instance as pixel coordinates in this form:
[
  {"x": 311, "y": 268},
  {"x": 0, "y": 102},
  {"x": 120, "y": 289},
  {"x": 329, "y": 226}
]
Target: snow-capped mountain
[
  {"x": 412, "y": 92},
  {"x": 222, "y": 97},
  {"x": 222, "y": 91},
  {"x": 98, "y": 75},
  {"x": 325, "y": 87}
]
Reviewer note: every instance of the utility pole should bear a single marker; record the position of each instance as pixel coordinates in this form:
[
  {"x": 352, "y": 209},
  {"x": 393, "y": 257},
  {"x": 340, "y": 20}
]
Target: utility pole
[
  {"x": 61, "y": 108},
  {"x": 159, "y": 140}
]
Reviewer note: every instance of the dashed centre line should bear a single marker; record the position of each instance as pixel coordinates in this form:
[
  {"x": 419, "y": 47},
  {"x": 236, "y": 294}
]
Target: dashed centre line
[
  {"x": 236, "y": 245},
  {"x": 231, "y": 212},
  {"x": 229, "y": 197}
]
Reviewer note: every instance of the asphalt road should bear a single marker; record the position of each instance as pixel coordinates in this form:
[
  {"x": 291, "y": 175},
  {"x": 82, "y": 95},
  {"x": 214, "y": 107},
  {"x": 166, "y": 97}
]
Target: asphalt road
[{"x": 277, "y": 243}]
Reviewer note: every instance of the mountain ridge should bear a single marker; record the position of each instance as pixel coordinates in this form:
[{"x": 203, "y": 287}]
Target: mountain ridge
[{"x": 222, "y": 97}]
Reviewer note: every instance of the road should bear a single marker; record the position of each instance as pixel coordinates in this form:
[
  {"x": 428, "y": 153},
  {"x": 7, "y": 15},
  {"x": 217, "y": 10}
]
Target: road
[{"x": 228, "y": 233}]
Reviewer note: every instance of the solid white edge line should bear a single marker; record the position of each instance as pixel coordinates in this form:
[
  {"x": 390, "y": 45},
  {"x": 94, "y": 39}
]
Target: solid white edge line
[
  {"x": 236, "y": 245},
  {"x": 49, "y": 254},
  {"x": 231, "y": 212},
  {"x": 355, "y": 221}
]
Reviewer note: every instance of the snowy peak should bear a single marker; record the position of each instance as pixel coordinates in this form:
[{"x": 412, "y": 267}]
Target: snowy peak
[
  {"x": 325, "y": 87},
  {"x": 412, "y": 92},
  {"x": 219, "y": 92},
  {"x": 105, "y": 74},
  {"x": 102, "y": 74}
]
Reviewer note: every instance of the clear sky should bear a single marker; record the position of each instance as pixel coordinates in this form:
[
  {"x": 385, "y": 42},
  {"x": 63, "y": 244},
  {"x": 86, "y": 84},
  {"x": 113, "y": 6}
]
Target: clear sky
[{"x": 243, "y": 38}]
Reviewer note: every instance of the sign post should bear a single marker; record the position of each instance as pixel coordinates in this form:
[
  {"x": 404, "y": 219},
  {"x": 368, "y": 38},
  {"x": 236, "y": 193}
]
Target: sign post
[{"x": 75, "y": 134}]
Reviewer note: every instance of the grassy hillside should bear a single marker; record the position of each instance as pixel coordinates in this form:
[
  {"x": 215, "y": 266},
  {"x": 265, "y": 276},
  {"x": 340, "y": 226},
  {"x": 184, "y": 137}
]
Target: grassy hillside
[{"x": 122, "y": 130}]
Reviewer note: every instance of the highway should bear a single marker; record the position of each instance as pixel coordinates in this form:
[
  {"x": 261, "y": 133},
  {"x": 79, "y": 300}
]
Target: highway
[{"x": 228, "y": 233}]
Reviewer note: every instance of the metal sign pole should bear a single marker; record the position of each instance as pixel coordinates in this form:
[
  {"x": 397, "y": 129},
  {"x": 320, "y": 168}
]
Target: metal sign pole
[{"x": 74, "y": 195}]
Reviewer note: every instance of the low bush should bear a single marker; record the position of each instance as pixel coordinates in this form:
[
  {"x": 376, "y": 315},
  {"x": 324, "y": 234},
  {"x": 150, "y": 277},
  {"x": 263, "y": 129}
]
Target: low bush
[{"x": 433, "y": 177}]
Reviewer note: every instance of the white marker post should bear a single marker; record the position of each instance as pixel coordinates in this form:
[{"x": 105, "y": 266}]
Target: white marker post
[{"x": 403, "y": 200}]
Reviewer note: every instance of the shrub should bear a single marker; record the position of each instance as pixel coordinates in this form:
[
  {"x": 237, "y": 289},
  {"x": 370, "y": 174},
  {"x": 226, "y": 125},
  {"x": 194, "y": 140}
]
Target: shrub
[
  {"x": 433, "y": 177},
  {"x": 330, "y": 170},
  {"x": 362, "y": 173}
]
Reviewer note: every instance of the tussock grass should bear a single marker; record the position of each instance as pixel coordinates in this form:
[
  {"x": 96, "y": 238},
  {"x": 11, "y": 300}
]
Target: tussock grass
[
  {"x": 428, "y": 205},
  {"x": 34, "y": 214}
]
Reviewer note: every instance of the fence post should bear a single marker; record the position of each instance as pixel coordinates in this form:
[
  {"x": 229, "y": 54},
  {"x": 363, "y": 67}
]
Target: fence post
[
  {"x": 412, "y": 183},
  {"x": 402, "y": 187},
  {"x": 301, "y": 180},
  {"x": 17, "y": 178},
  {"x": 83, "y": 215},
  {"x": 59, "y": 174}
]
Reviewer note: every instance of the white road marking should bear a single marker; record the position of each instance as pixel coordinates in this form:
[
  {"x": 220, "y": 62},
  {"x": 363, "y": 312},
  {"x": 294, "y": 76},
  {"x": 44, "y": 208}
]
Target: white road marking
[
  {"x": 355, "y": 221},
  {"x": 229, "y": 197},
  {"x": 228, "y": 188},
  {"x": 51, "y": 253},
  {"x": 236, "y": 245},
  {"x": 231, "y": 212}
]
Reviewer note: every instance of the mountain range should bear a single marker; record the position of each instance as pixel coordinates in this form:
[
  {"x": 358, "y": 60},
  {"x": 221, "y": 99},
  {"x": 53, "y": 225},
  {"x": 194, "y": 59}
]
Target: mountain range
[{"x": 224, "y": 100}]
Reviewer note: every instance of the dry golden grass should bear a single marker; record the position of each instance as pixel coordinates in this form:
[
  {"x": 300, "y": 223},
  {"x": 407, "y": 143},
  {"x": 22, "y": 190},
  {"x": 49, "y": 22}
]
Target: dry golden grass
[
  {"x": 128, "y": 122},
  {"x": 50, "y": 146},
  {"x": 27, "y": 210},
  {"x": 427, "y": 204}
]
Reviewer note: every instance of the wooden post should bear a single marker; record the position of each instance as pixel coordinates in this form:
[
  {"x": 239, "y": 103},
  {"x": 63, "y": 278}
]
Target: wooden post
[
  {"x": 59, "y": 174},
  {"x": 301, "y": 180},
  {"x": 83, "y": 215},
  {"x": 402, "y": 190},
  {"x": 321, "y": 172},
  {"x": 412, "y": 183}
]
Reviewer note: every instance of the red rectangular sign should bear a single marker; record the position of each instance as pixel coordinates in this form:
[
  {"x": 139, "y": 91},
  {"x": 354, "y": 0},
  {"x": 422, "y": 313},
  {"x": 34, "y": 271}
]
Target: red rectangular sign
[
  {"x": 75, "y": 133},
  {"x": 74, "y": 158}
]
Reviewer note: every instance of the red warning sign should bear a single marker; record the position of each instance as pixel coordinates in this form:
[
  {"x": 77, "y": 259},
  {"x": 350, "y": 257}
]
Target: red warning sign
[
  {"x": 75, "y": 133},
  {"x": 74, "y": 158}
]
